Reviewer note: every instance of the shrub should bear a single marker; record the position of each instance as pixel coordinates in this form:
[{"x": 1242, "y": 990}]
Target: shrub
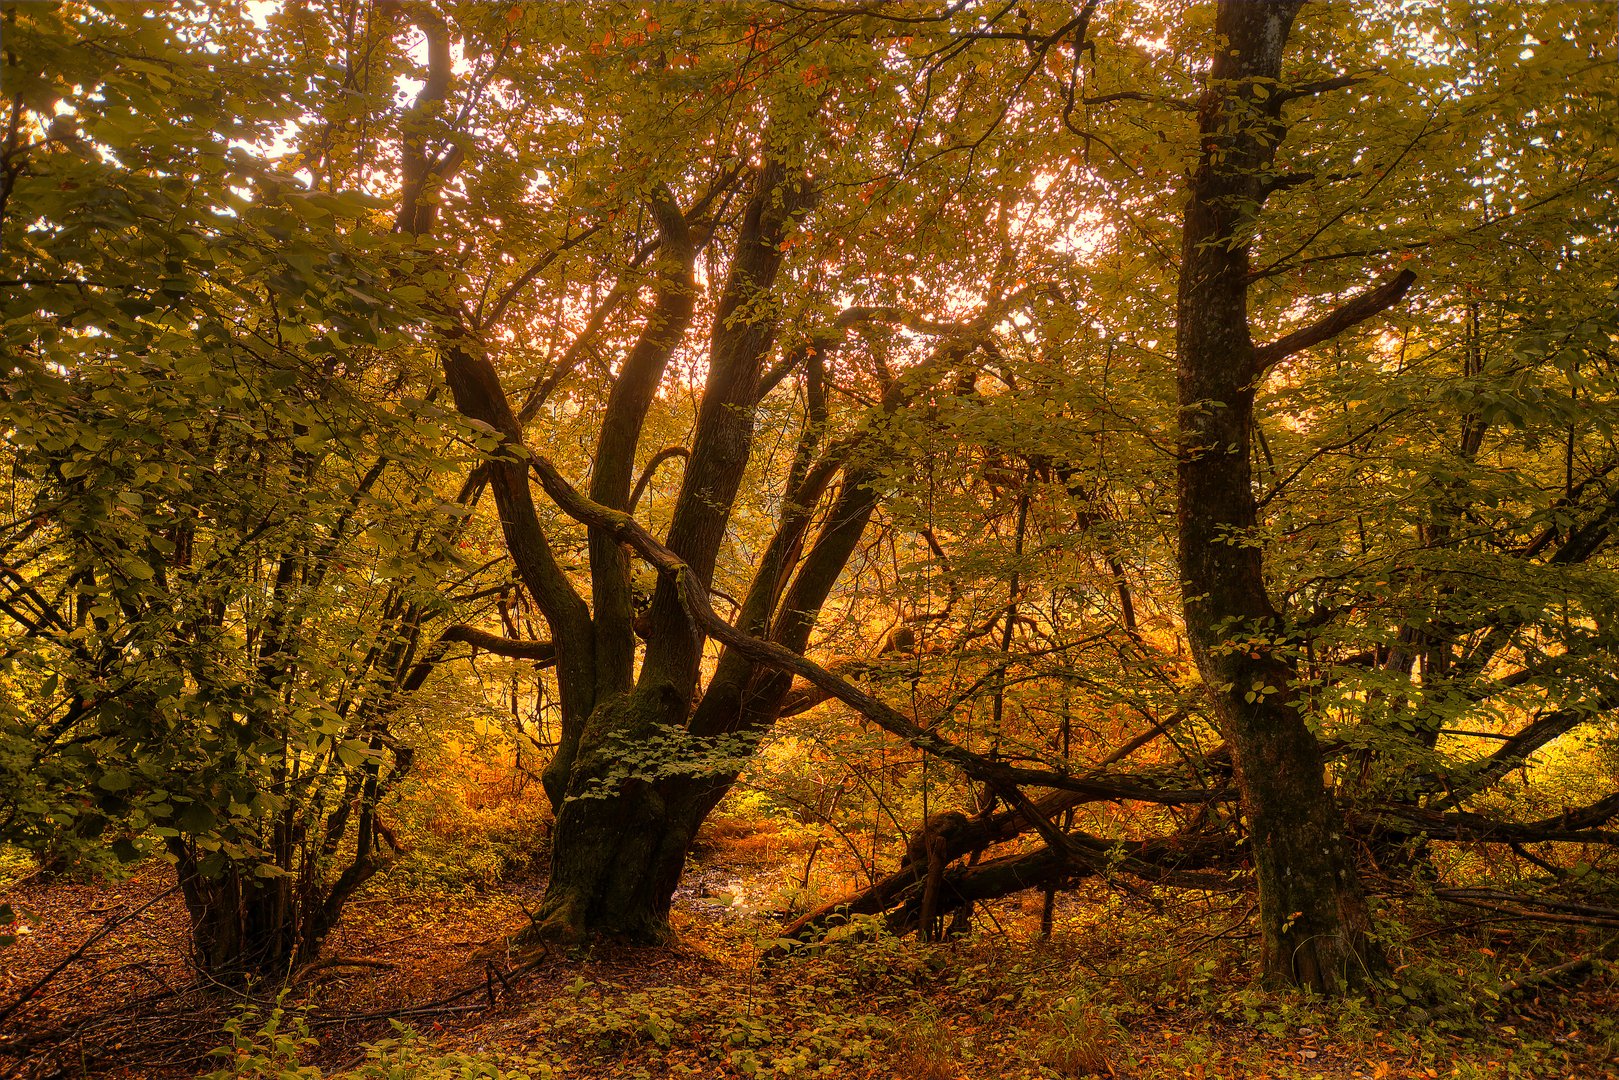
[
  {"x": 925, "y": 1048},
  {"x": 269, "y": 1048}
]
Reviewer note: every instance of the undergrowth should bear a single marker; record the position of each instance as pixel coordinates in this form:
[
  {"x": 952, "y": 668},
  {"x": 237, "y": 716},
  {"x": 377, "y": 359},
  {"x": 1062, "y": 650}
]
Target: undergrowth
[
  {"x": 472, "y": 827},
  {"x": 1105, "y": 998},
  {"x": 269, "y": 1045}
]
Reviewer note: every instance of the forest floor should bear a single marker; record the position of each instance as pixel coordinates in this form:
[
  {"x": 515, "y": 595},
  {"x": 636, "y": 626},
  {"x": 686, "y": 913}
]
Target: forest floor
[{"x": 1127, "y": 986}]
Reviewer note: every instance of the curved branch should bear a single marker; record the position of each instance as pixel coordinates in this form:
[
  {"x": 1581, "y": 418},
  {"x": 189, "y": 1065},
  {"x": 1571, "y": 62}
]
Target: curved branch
[
  {"x": 415, "y": 214},
  {"x": 541, "y": 651},
  {"x": 1173, "y": 860},
  {"x": 694, "y": 601},
  {"x": 1517, "y": 750}
]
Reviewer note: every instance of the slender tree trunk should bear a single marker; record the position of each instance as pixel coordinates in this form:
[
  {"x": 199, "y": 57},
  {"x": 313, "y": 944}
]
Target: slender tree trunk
[
  {"x": 1313, "y": 916},
  {"x": 248, "y": 928}
]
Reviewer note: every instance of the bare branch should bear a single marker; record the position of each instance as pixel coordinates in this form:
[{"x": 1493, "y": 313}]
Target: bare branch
[
  {"x": 1137, "y": 95},
  {"x": 647, "y": 473},
  {"x": 694, "y": 601},
  {"x": 1321, "y": 86}
]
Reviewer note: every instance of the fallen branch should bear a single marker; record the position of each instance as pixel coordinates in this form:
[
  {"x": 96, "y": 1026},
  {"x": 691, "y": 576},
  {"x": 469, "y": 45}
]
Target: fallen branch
[
  {"x": 1182, "y": 860},
  {"x": 338, "y": 962},
  {"x": 1534, "y": 980},
  {"x": 1576, "y": 826},
  {"x": 1523, "y": 905}
]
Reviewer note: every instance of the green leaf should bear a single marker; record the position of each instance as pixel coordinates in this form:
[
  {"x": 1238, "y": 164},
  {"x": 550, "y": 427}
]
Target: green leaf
[{"x": 114, "y": 780}]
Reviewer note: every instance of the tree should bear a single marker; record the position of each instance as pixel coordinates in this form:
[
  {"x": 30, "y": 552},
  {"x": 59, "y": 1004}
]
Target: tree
[
  {"x": 1312, "y": 908},
  {"x": 812, "y": 355},
  {"x": 1312, "y": 911},
  {"x": 227, "y": 530},
  {"x": 1310, "y": 573},
  {"x": 651, "y": 737}
]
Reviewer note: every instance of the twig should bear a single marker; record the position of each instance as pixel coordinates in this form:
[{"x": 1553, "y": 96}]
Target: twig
[
  {"x": 1540, "y": 916},
  {"x": 338, "y": 962},
  {"x": 78, "y": 954},
  {"x": 1549, "y": 902}
]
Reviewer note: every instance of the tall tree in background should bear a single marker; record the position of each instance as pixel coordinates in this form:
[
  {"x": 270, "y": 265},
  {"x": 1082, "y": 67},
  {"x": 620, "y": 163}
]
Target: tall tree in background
[{"x": 1281, "y": 621}]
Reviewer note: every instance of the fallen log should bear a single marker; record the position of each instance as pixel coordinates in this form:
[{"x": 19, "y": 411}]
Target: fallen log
[
  {"x": 1579, "y": 825},
  {"x": 1184, "y": 860}
]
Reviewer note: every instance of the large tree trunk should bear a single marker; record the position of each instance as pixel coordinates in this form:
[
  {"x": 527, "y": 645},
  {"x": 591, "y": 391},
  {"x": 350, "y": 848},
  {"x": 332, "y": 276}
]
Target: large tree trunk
[
  {"x": 615, "y": 868},
  {"x": 1313, "y": 916},
  {"x": 618, "y": 859},
  {"x": 622, "y": 834}
]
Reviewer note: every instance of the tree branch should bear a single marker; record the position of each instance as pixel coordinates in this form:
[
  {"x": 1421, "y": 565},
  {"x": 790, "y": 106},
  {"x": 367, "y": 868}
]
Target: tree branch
[
  {"x": 651, "y": 468},
  {"x": 694, "y": 600},
  {"x": 1515, "y": 752},
  {"x": 1369, "y": 303},
  {"x": 542, "y": 651},
  {"x": 1137, "y": 95},
  {"x": 1321, "y": 86},
  {"x": 416, "y": 168}
]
